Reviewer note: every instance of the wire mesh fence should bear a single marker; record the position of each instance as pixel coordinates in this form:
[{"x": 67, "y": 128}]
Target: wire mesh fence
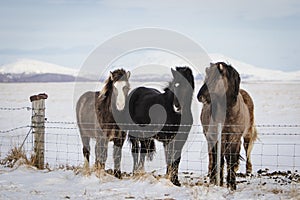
[
  {"x": 278, "y": 147},
  {"x": 275, "y": 155}
]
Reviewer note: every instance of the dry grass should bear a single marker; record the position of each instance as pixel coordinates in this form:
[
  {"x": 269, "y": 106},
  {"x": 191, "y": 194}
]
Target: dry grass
[
  {"x": 17, "y": 155},
  {"x": 294, "y": 193}
]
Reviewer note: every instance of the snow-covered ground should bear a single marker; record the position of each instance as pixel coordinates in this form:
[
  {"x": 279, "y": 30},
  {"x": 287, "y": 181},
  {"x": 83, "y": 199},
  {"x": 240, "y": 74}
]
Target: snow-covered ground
[{"x": 275, "y": 103}]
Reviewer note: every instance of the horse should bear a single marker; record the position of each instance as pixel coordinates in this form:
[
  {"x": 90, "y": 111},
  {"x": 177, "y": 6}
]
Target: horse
[
  {"x": 164, "y": 116},
  {"x": 95, "y": 113},
  {"x": 224, "y": 102}
]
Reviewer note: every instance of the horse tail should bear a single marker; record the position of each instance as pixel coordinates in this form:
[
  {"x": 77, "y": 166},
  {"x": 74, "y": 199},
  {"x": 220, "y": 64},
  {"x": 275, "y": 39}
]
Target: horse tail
[
  {"x": 253, "y": 138},
  {"x": 151, "y": 149},
  {"x": 147, "y": 146},
  {"x": 252, "y": 134}
]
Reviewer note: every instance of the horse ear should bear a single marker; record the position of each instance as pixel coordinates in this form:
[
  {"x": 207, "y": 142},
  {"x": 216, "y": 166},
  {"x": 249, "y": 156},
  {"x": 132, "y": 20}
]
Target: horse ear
[
  {"x": 128, "y": 74},
  {"x": 221, "y": 68},
  {"x": 111, "y": 76},
  {"x": 174, "y": 72}
]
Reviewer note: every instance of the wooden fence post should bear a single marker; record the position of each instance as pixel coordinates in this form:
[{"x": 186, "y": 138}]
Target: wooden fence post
[{"x": 38, "y": 126}]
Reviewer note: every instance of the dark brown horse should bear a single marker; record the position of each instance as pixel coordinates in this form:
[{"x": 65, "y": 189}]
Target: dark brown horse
[
  {"x": 224, "y": 102},
  {"x": 95, "y": 117}
]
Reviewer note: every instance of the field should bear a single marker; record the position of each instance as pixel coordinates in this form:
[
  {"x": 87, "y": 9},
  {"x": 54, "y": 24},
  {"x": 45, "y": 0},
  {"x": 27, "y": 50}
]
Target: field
[{"x": 276, "y": 156}]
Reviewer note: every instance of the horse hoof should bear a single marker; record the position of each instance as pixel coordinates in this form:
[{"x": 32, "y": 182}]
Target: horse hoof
[
  {"x": 249, "y": 173},
  {"x": 117, "y": 174},
  {"x": 232, "y": 186},
  {"x": 175, "y": 181}
]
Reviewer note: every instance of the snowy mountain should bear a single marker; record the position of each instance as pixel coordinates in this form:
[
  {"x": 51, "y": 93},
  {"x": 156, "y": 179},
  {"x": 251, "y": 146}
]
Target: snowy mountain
[
  {"x": 251, "y": 73},
  {"x": 28, "y": 66},
  {"x": 37, "y": 71},
  {"x": 27, "y": 70}
]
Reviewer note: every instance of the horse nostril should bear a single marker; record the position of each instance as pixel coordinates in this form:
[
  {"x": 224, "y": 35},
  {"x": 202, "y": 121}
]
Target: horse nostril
[{"x": 199, "y": 98}]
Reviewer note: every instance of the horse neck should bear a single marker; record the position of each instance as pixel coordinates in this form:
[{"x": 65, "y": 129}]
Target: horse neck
[
  {"x": 187, "y": 110},
  {"x": 106, "y": 95},
  {"x": 236, "y": 107}
]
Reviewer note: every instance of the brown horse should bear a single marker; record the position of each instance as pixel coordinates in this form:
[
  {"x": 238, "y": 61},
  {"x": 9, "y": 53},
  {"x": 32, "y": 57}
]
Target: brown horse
[
  {"x": 96, "y": 112},
  {"x": 224, "y": 102}
]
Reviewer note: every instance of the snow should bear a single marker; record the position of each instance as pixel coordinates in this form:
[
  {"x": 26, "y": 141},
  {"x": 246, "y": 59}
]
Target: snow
[
  {"x": 275, "y": 103},
  {"x": 29, "y": 66},
  {"x": 28, "y": 183}
]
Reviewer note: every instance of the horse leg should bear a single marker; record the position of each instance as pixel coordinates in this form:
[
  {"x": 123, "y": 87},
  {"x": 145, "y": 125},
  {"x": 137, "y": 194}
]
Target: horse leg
[
  {"x": 86, "y": 151},
  {"x": 135, "y": 152},
  {"x": 143, "y": 153},
  {"x": 213, "y": 172},
  {"x": 147, "y": 149},
  {"x": 210, "y": 161},
  {"x": 173, "y": 156},
  {"x": 232, "y": 156},
  {"x": 175, "y": 167},
  {"x": 222, "y": 170},
  {"x": 167, "y": 150},
  {"x": 117, "y": 153},
  {"x": 101, "y": 151},
  {"x": 248, "y": 145}
]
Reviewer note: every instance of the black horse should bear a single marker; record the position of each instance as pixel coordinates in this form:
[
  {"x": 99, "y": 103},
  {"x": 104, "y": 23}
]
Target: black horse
[{"x": 166, "y": 117}]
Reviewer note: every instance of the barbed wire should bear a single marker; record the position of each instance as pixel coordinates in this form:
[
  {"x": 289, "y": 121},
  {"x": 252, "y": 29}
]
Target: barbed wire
[
  {"x": 147, "y": 131},
  {"x": 16, "y": 108},
  {"x": 174, "y": 125},
  {"x": 14, "y": 129}
]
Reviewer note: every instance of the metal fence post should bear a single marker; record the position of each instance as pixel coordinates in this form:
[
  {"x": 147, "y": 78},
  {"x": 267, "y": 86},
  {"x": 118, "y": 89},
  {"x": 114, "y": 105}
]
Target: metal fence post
[
  {"x": 38, "y": 126},
  {"x": 219, "y": 132}
]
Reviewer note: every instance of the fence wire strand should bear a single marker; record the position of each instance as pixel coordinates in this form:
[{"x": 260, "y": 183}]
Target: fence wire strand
[
  {"x": 64, "y": 146},
  {"x": 15, "y": 108}
]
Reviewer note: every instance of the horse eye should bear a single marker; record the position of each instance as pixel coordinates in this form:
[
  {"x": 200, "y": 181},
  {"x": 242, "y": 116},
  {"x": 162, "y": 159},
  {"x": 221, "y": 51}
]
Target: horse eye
[
  {"x": 126, "y": 88},
  {"x": 177, "y": 84}
]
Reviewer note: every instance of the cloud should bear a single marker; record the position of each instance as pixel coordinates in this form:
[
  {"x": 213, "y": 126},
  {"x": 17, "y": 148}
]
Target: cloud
[
  {"x": 47, "y": 51},
  {"x": 249, "y": 10}
]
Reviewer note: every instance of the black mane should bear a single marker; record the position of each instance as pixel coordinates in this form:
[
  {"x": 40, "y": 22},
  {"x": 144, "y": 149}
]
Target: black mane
[{"x": 185, "y": 72}]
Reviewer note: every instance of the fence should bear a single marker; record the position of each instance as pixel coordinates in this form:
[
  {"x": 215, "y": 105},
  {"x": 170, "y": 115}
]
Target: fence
[{"x": 276, "y": 151}]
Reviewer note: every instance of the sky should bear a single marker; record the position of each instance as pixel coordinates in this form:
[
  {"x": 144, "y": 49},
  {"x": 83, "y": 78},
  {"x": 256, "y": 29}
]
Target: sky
[{"x": 264, "y": 33}]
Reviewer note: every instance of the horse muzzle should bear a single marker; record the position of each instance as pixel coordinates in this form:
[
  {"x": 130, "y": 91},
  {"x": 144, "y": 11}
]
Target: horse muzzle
[{"x": 120, "y": 106}]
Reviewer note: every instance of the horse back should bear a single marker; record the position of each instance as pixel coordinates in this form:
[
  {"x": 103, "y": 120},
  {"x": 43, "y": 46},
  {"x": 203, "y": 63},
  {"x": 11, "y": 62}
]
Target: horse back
[
  {"x": 140, "y": 101},
  {"x": 86, "y": 114}
]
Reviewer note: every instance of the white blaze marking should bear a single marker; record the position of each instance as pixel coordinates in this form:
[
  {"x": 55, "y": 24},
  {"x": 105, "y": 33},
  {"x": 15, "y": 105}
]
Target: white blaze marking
[{"x": 120, "y": 99}]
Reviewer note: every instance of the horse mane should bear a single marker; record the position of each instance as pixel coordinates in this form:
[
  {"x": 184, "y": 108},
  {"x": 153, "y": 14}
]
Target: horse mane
[
  {"x": 233, "y": 80},
  {"x": 106, "y": 90},
  {"x": 103, "y": 102},
  {"x": 187, "y": 73},
  {"x": 105, "y": 94}
]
